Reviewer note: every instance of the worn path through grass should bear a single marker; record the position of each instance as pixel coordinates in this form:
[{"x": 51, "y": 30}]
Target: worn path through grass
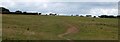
[{"x": 71, "y": 30}]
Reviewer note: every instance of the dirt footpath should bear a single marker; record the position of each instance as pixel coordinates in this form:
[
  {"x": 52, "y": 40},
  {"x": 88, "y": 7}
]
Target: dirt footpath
[{"x": 71, "y": 30}]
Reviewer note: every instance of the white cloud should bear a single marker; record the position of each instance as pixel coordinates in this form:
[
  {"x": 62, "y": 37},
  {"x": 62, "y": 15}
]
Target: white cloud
[
  {"x": 12, "y": 3},
  {"x": 37, "y": 5},
  {"x": 26, "y": 0},
  {"x": 45, "y": 5},
  {"x": 102, "y": 11},
  {"x": 96, "y": 0},
  {"x": 7, "y": 3},
  {"x": 62, "y": 0}
]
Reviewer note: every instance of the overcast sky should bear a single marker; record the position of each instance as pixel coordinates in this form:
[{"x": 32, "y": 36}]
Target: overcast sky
[{"x": 82, "y": 7}]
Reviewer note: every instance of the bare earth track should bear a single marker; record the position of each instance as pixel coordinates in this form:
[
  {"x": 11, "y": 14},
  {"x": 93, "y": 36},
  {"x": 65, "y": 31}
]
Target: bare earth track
[{"x": 71, "y": 30}]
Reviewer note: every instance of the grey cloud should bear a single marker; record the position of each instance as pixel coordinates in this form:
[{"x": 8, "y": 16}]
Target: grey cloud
[{"x": 63, "y": 7}]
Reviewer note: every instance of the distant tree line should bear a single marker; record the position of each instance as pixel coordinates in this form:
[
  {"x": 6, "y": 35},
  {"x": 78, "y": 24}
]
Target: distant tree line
[
  {"x": 52, "y": 14},
  {"x": 111, "y": 16},
  {"x": 6, "y": 11}
]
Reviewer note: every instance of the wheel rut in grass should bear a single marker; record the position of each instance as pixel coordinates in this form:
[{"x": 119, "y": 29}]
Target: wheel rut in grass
[{"x": 70, "y": 30}]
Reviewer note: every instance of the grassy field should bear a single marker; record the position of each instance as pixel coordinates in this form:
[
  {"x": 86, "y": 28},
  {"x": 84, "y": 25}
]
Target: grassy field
[
  {"x": 0, "y": 27},
  {"x": 34, "y": 27}
]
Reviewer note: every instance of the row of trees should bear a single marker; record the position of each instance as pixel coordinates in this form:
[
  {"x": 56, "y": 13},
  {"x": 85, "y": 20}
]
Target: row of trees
[
  {"x": 6, "y": 11},
  {"x": 102, "y": 16},
  {"x": 111, "y": 16}
]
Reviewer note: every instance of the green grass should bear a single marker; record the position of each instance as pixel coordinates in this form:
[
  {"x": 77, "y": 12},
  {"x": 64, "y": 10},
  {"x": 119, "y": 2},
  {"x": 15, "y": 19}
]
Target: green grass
[
  {"x": 0, "y": 27},
  {"x": 49, "y": 27}
]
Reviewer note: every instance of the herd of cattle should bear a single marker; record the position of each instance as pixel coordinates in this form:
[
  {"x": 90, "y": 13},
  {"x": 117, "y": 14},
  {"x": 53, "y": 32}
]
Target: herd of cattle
[{"x": 6, "y": 11}]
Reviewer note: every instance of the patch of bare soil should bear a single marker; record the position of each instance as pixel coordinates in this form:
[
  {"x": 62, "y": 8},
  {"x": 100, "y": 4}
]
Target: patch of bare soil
[{"x": 71, "y": 30}]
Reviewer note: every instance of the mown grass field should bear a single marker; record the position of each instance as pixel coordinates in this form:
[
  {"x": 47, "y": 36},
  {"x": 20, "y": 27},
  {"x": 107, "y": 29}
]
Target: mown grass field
[{"x": 34, "y": 27}]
